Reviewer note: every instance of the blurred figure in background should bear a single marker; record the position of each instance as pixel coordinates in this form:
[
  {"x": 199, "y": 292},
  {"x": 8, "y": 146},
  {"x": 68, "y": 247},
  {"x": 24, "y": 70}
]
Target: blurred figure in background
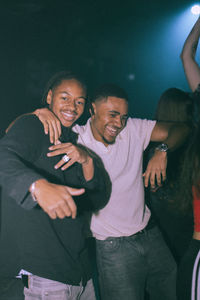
[
  {"x": 189, "y": 197},
  {"x": 189, "y": 200},
  {"x": 174, "y": 105}
]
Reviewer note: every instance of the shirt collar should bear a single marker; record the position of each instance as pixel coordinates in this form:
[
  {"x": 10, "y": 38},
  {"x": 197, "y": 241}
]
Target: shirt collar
[{"x": 88, "y": 135}]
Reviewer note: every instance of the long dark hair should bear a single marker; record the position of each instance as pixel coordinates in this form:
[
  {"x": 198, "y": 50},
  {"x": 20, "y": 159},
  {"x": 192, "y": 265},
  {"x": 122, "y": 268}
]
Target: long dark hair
[
  {"x": 190, "y": 173},
  {"x": 174, "y": 105}
]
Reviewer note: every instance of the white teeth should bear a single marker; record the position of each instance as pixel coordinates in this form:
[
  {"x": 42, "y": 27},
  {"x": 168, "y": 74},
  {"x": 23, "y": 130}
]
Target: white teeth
[
  {"x": 69, "y": 115},
  {"x": 112, "y": 130}
]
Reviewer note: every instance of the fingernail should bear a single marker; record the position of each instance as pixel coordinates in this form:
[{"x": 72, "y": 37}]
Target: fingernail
[{"x": 55, "y": 167}]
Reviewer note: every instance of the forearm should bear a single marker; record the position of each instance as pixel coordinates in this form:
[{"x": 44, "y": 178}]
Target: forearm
[
  {"x": 88, "y": 169},
  {"x": 191, "y": 43},
  {"x": 188, "y": 53},
  {"x": 101, "y": 192},
  {"x": 19, "y": 148},
  {"x": 177, "y": 135},
  {"x": 16, "y": 178},
  {"x": 172, "y": 134},
  {"x": 13, "y": 122},
  {"x": 99, "y": 188}
]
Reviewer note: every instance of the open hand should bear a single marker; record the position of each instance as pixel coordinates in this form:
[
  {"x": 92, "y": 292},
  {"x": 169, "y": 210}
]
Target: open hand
[{"x": 156, "y": 169}]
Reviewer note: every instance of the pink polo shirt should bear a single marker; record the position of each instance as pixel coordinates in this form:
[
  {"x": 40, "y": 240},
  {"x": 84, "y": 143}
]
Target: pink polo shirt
[{"x": 126, "y": 212}]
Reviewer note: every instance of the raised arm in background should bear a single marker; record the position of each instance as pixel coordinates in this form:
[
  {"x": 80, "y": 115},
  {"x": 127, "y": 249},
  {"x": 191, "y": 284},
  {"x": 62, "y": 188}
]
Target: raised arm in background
[{"x": 188, "y": 54}]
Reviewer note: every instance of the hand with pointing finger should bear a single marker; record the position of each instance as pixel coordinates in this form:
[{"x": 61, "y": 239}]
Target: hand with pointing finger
[{"x": 56, "y": 200}]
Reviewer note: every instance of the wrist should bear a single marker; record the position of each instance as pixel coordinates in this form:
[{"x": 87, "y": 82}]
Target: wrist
[
  {"x": 160, "y": 153},
  {"x": 36, "y": 112},
  {"x": 163, "y": 147},
  {"x": 34, "y": 188},
  {"x": 32, "y": 191},
  {"x": 88, "y": 169},
  {"x": 87, "y": 161}
]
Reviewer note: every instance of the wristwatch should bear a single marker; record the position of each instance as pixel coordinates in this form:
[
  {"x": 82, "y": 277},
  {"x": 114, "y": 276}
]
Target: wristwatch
[{"x": 162, "y": 147}]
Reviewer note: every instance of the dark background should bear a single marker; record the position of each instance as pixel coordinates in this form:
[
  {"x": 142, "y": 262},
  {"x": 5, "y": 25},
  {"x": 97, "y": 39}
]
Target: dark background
[{"x": 135, "y": 44}]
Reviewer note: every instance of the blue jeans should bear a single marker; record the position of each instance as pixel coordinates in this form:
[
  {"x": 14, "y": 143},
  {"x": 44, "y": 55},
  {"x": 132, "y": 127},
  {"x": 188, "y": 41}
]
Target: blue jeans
[
  {"x": 45, "y": 289},
  {"x": 130, "y": 265}
]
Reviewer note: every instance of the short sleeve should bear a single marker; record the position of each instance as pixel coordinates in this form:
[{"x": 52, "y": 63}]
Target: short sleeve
[{"x": 141, "y": 129}]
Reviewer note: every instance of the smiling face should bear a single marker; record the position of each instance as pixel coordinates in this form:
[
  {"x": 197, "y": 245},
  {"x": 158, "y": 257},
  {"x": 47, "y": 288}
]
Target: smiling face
[
  {"x": 67, "y": 101},
  {"x": 109, "y": 118}
]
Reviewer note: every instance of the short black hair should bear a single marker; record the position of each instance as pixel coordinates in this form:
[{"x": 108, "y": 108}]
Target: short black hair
[
  {"x": 108, "y": 90},
  {"x": 56, "y": 80}
]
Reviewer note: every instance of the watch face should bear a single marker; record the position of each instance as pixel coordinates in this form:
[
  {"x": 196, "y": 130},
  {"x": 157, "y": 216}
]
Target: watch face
[{"x": 162, "y": 147}]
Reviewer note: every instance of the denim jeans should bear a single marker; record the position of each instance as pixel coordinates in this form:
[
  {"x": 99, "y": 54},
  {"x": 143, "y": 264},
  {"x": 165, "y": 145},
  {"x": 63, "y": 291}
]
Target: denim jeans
[
  {"x": 45, "y": 289},
  {"x": 129, "y": 265}
]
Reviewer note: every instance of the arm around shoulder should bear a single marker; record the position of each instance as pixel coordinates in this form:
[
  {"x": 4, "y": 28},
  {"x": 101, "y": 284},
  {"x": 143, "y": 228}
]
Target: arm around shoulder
[{"x": 172, "y": 134}]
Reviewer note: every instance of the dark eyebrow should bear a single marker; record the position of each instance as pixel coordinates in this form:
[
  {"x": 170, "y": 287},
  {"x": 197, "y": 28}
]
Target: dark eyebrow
[
  {"x": 117, "y": 113},
  {"x": 81, "y": 97},
  {"x": 64, "y": 92}
]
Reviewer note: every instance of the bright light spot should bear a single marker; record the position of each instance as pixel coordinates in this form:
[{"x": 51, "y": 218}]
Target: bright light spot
[
  {"x": 195, "y": 9},
  {"x": 131, "y": 76}
]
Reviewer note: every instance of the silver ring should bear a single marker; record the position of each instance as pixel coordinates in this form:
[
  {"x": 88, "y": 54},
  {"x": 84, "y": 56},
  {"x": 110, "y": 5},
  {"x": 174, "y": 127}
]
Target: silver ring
[{"x": 66, "y": 158}]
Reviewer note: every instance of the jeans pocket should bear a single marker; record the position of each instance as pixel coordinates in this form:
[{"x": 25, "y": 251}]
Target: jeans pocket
[
  {"x": 35, "y": 294},
  {"x": 154, "y": 233},
  {"x": 31, "y": 295}
]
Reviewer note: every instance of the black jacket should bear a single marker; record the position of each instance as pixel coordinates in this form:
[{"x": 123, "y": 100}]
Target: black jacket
[{"x": 29, "y": 239}]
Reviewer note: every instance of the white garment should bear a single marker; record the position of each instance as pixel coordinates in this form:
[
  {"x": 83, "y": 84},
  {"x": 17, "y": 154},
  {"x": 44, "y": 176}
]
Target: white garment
[{"x": 126, "y": 212}]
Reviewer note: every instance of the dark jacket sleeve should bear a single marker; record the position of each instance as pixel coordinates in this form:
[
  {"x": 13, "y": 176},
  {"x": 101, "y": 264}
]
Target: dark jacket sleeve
[
  {"x": 98, "y": 189},
  {"x": 18, "y": 149}
]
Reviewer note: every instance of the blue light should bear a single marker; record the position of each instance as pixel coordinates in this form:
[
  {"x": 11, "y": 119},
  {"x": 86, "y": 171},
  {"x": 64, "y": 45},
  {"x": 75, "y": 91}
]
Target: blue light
[{"x": 195, "y": 9}]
